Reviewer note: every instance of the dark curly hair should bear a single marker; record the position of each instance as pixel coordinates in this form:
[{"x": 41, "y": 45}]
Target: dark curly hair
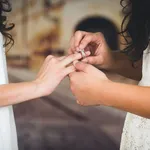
[
  {"x": 4, "y": 26},
  {"x": 135, "y": 27}
]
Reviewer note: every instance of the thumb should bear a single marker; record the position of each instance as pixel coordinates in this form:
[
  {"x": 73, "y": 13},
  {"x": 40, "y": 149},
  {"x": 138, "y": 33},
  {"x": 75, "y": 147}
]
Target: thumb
[{"x": 81, "y": 66}]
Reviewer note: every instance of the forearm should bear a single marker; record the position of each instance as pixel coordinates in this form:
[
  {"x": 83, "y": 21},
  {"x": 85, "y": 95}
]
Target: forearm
[
  {"x": 19, "y": 92},
  {"x": 130, "y": 98},
  {"x": 124, "y": 67}
]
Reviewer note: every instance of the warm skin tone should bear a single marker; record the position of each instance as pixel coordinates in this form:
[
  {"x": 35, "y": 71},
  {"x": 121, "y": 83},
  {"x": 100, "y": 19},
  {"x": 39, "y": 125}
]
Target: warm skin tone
[
  {"x": 92, "y": 87},
  {"x": 50, "y": 75},
  {"x": 102, "y": 57}
]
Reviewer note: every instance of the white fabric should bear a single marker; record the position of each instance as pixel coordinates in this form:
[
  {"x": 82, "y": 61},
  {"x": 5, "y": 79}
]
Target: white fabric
[
  {"x": 8, "y": 138},
  {"x": 136, "y": 132}
]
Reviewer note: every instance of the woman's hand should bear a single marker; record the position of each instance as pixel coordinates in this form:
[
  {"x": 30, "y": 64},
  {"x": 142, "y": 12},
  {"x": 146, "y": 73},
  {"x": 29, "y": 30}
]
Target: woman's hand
[
  {"x": 101, "y": 56},
  {"x": 53, "y": 71},
  {"x": 87, "y": 83}
]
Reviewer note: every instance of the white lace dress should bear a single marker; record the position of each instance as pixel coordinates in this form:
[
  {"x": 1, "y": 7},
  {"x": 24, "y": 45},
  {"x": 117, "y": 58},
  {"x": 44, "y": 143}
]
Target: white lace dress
[
  {"x": 136, "y": 132},
  {"x": 8, "y": 138}
]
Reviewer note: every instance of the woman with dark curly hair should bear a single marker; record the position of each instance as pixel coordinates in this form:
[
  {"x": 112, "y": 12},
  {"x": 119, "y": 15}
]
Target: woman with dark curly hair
[
  {"x": 50, "y": 75},
  {"x": 92, "y": 87}
]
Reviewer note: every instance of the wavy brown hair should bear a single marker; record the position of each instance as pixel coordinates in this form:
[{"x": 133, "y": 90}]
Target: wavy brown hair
[{"x": 135, "y": 27}]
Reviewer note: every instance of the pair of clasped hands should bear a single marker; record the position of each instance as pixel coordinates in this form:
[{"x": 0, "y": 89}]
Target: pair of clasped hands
[{"x": 85, "y": 79}]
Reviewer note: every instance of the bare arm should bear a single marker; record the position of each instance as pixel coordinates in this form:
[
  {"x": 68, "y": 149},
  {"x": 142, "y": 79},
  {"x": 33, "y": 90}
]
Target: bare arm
[
  {"x": 91, "y": 87},
  {"x": 50, "y": 75},
  {"x": 123, "y": 66},
  {"x": 131, "y": 98},
  {"x": 19, "y": 92}
]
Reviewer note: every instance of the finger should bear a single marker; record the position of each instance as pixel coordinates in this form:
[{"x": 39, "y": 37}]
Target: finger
[
  {"x": 72, "y": 46},
  {"x": 69, "y": 70},
  {"x": 74, "y": 74},
  {"x": 84, "y": 67},
  {"x": 78, "y": 102},
  {"x": 75, "y": 41},
  {"x": 71, "y": 58},
  {"x": 74, "y": 63},
  {"x": 44, "y": 65},
  {"x": 93, "y": 60},
  {"x": 93, "y": 37},
  {"x": 48, "y": 58},
  {"x": 85, "y": 41},
  {"x": 61, "y": 58},
  {"x": 72, "y": 51},
  {"x": 79, "y": 35}
]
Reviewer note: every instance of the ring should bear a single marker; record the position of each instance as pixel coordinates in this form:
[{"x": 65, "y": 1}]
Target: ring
[{"x": 82, "y": 53}]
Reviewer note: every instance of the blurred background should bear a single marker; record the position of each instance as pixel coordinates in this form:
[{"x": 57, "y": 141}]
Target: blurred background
[{"x": 56, "y": 122}]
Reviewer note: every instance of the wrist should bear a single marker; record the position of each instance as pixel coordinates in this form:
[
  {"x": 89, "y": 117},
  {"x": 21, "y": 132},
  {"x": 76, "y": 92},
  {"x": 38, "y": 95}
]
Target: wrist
[
  {"x": 39, "y": 88},
  {"x": 104, "y": 89}
]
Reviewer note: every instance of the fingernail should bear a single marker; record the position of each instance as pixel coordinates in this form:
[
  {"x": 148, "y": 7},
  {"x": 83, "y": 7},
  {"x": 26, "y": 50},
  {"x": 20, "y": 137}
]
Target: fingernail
[
  {"x": 78, "y": 102},
  {"x": 88, "y": 53}
]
